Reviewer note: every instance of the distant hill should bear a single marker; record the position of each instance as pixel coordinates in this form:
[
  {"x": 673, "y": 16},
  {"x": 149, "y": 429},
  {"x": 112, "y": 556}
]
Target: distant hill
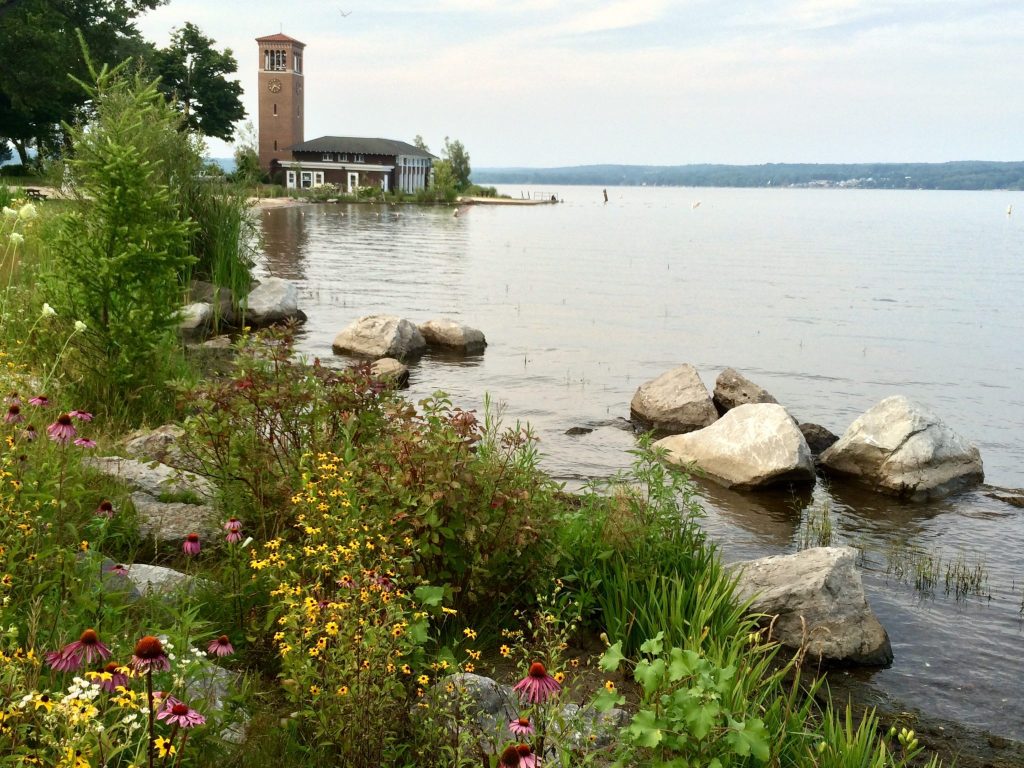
[{"x": 955, "y": 175}]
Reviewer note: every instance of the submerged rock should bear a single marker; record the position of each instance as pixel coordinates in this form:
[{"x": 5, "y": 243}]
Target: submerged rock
[
  {"x": 732, "y": 389},
  {"x": 448, "y": 333},
  {"x": 391, "y": 371},
  {"x": 751, "y": 446},
  {"x": 380, "y": 336},
  {"x": 816, "y": 598},
  {"x": 818, "y": 438},
  {"x": 677, "y": 401},
  {"x": 901, "y": 448}
]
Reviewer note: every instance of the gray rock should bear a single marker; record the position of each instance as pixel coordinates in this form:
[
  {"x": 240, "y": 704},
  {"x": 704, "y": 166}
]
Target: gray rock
[
  {"x": 732, "y": 388},
  {"x": 448, "y": 333},
  {"x": 208, "y": 689},
  {"x": 818, "y": 438},
  {"x": 379, "y": 336},
  {"x": 195, "y": 320},
  {"x": 392, "y": 371},
  {"x": 273, "y": 301},
  {"x": 218, "y": 342},
  {"x": 901, "y": 448},
  {"x": 677, "y": 401},
  {"x": 589, "y": 728},
  {"x": 173, "y": 521},
  {"x": 153, "y": 478},
  {"x": 159, "y": 444},
  {"x": 816, "y": 597},
  {"x": 219, "y": 300},
  {"x": 157, "y": 579},
  {"x": 751, "y": 446}
]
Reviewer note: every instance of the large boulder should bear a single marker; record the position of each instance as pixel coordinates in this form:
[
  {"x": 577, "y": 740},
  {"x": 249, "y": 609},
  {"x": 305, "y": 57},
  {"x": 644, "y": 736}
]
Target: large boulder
[
  {"x": 448, "y": 333},
  {"x": 195, "y": 320},
  {"x": 677, "y": 401},
  {"x": 901, "y": 448},
  {"x": 173, "y": 520},
  {"x": 158, "y": 480},
  {"x": 378, "y": 336},
  {"x": 815, "y": 599},
  {"x": 732, "y": 389},
  {"x": 751, "y": 446},
  {"x": 273, "y": 301},
  {"x": 158, "y": 444}
]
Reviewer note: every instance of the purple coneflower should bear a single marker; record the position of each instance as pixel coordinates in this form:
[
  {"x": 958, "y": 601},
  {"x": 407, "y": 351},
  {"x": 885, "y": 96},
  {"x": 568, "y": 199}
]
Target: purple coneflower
[
  {"x": 73, "y": 655},
  {"x": 105, "y": 509},
  {"x": 179, "y": 714},
  {"x": 30, "y": 433},
  {"x": 526, "y": 757},
  {"x": 538, "y": 686},
  {"x": 234, "y": 528},
  {"x": 80, "y": 415},
  {"x": 220, "y": 646},
  {"x": 347, "y": 582},
  {"x": 85, "y": 442},
  {"x": 118, "y": 570},
  {"x": 118, "y": 677},
  {"x": 149, "y": 655},
  {"x": 191, "y": 545},
  {"x": 521, "y": 727},
  {"x": 41, "y": 400},
  {"x": 509, "y": 757},
  {"x": 62, "y": 430},
  {"x": 14, "y": 414}
]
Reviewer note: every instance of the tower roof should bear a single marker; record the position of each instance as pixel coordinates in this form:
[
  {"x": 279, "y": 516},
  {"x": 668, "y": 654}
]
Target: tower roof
[{"x": 280, "y": 37}]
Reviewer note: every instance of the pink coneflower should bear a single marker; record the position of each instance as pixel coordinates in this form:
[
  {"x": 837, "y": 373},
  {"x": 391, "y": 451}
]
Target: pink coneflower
[
  {"x": 521, "y": 727},
  {"x": 150, "y": 655},
  {"x": 538, "y": 686},
  {"x": 85, "y": 442},
  {"x": 526, "y": 757},
  {"x": 80, "y": 415},
  {"x": 118, "y": 570},
  {"x": 41, "y": 400},
  {"x": 220, "y": 646},
  {"x": 118, "y": 677},
  {"x": 234, "y": 528},
  {"x": 14, "y": 414},
  {"x": 62, "y": 430},
  {"x": 73, "y": 655},
  {"x": 509, "y": 757},
  {"x": 105, "y": 509},
  {"x": 347, "y": 582},
  {"x": 191, "y": 545},
  {"x": 179, "y": 714},
  {"x": 30, "y": 433}
]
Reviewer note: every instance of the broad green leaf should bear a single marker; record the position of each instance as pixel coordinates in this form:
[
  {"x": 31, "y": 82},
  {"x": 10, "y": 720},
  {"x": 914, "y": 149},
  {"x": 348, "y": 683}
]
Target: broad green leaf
[
  {"x": 645, "y": 729},
  {"x": 749, "y": 738},
  {"x": 612, "y": 657},
  {"x": 431, "y": 596},
  {"x": 701, "y": 718},
  {"x": 650, "y": 674},
  {"x": 605, "y": 700},
  {"x": 653, "y": 646},
  {"x": 678, "y": 668}
]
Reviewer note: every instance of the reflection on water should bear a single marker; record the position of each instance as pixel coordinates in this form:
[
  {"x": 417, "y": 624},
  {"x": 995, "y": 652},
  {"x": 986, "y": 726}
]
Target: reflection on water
[{"x": 831, "y": 300}]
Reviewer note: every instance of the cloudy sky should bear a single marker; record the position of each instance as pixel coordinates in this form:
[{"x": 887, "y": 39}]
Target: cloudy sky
[{"x": 570, "y": 82}]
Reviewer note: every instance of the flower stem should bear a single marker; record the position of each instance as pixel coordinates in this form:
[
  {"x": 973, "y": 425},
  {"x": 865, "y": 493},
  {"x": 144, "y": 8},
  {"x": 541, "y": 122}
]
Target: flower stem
[{"x": 149, "y": 698}]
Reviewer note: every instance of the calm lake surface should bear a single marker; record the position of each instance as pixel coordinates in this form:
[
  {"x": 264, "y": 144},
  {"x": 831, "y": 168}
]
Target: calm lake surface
[{"x": 830, "y": 299}]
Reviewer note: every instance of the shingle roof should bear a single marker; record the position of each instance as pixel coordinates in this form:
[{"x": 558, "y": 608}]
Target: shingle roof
[
  {"x": 357, "y": 145},
  {"x": 279, "y": 38}
]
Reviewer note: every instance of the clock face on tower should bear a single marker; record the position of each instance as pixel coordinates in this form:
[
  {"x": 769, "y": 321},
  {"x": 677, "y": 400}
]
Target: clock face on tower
[{"x": 274, "y": 86}]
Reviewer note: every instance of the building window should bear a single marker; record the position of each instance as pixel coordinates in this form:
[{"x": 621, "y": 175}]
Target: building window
[
  {"x": 359, "y": 158},
  {"x": 276, "y": 61},
  {"x": 344, "y": 158},
  {"x": 275, "y": 110},
  {"x": 327, "y": 157},
  {"x": 298, "y": 63},
  {"x": 275, "y": 145}
]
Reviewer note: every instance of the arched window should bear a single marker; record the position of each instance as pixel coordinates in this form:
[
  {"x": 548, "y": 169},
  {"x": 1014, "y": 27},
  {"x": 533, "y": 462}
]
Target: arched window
[
  {"x": 275, "y": 145},
  {"x": 275, "y": 110}
]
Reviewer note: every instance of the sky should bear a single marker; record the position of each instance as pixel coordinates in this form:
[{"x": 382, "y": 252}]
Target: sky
[{"x": 544, "y": 83}]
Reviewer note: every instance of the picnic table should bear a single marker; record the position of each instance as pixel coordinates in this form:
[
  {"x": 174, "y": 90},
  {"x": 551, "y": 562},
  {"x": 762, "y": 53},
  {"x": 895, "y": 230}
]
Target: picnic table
[{"x": 35, "y": 194}]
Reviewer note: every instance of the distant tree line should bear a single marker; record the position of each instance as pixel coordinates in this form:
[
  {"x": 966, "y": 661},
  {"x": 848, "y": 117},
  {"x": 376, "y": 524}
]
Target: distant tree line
[{"x": 953, "y": 175}]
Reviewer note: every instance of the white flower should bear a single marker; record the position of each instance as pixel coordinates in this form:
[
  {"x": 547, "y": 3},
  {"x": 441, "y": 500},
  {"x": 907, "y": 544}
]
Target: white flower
[
  {"x": 48, "y": 311},
  {"x": 9, "y": 213},
  {"x": 80, "y": 326},
  {"x": 27, "y": 212},
  {"x": 17, "y": 239}
]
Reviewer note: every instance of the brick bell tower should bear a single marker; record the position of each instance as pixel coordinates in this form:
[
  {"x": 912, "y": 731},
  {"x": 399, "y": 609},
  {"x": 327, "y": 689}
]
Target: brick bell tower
[{"x": 282, "y": 102}]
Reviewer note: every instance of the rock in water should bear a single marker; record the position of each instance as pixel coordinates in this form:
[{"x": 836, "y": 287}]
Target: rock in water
[
  {"x": 677, "y": 401},
  {"x": 380, "y": 336},
  {"x": 816, "y": 597},
  {"x": 751, "y": 446},
  {"x": 818, "y": 438},
  {"x": 195, "y": 320},
  {"x": 272, "y": 301},
  {"x": 901, "y": 448},
  {"x": 732, "y": 388},
  {"x": 448, "y": 333},
  {"x": 391, "y": 372}
]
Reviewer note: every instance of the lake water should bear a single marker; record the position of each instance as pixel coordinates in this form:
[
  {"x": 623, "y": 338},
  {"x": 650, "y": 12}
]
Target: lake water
[{"x": 830, "y": 299}]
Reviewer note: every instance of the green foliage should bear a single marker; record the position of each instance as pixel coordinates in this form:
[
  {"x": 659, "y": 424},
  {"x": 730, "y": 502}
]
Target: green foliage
[
  {"x": 194, "y": 77},
  {"x": 247, "y": 158},
  {"x": 455, "y": 154}
]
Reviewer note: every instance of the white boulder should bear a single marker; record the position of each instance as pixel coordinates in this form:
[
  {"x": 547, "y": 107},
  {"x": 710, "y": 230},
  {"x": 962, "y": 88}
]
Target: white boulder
[
  {"x": 676, "y": 401},
  {"x": 901, "y": 448},
  {"x": 272, "y": 301},
  {"x": 448, "y": 333},
  {"x": 815, "y": 599},
  {"x": 390, "y": 371},
  {"x": 380, "y": 336},
  {"x": 751, "y": 446}
]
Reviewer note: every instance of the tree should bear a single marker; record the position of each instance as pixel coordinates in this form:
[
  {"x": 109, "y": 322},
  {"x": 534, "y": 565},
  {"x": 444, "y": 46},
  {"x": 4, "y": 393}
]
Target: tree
[
  {"x": 457, "y": 157},
  {"x": 39, "y": 52},
  {"x": 247, "y": 157},
  {"x": 419, "y": 143},
  {"x": 194, "y": 75}
]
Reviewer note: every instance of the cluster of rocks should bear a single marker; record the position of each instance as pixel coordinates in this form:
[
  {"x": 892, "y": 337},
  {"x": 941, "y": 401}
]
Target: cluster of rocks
[
  {"x": 740, "y": 437},
  {"x": 269, "y": 302},
  {"x": 389, "y": 336}
]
